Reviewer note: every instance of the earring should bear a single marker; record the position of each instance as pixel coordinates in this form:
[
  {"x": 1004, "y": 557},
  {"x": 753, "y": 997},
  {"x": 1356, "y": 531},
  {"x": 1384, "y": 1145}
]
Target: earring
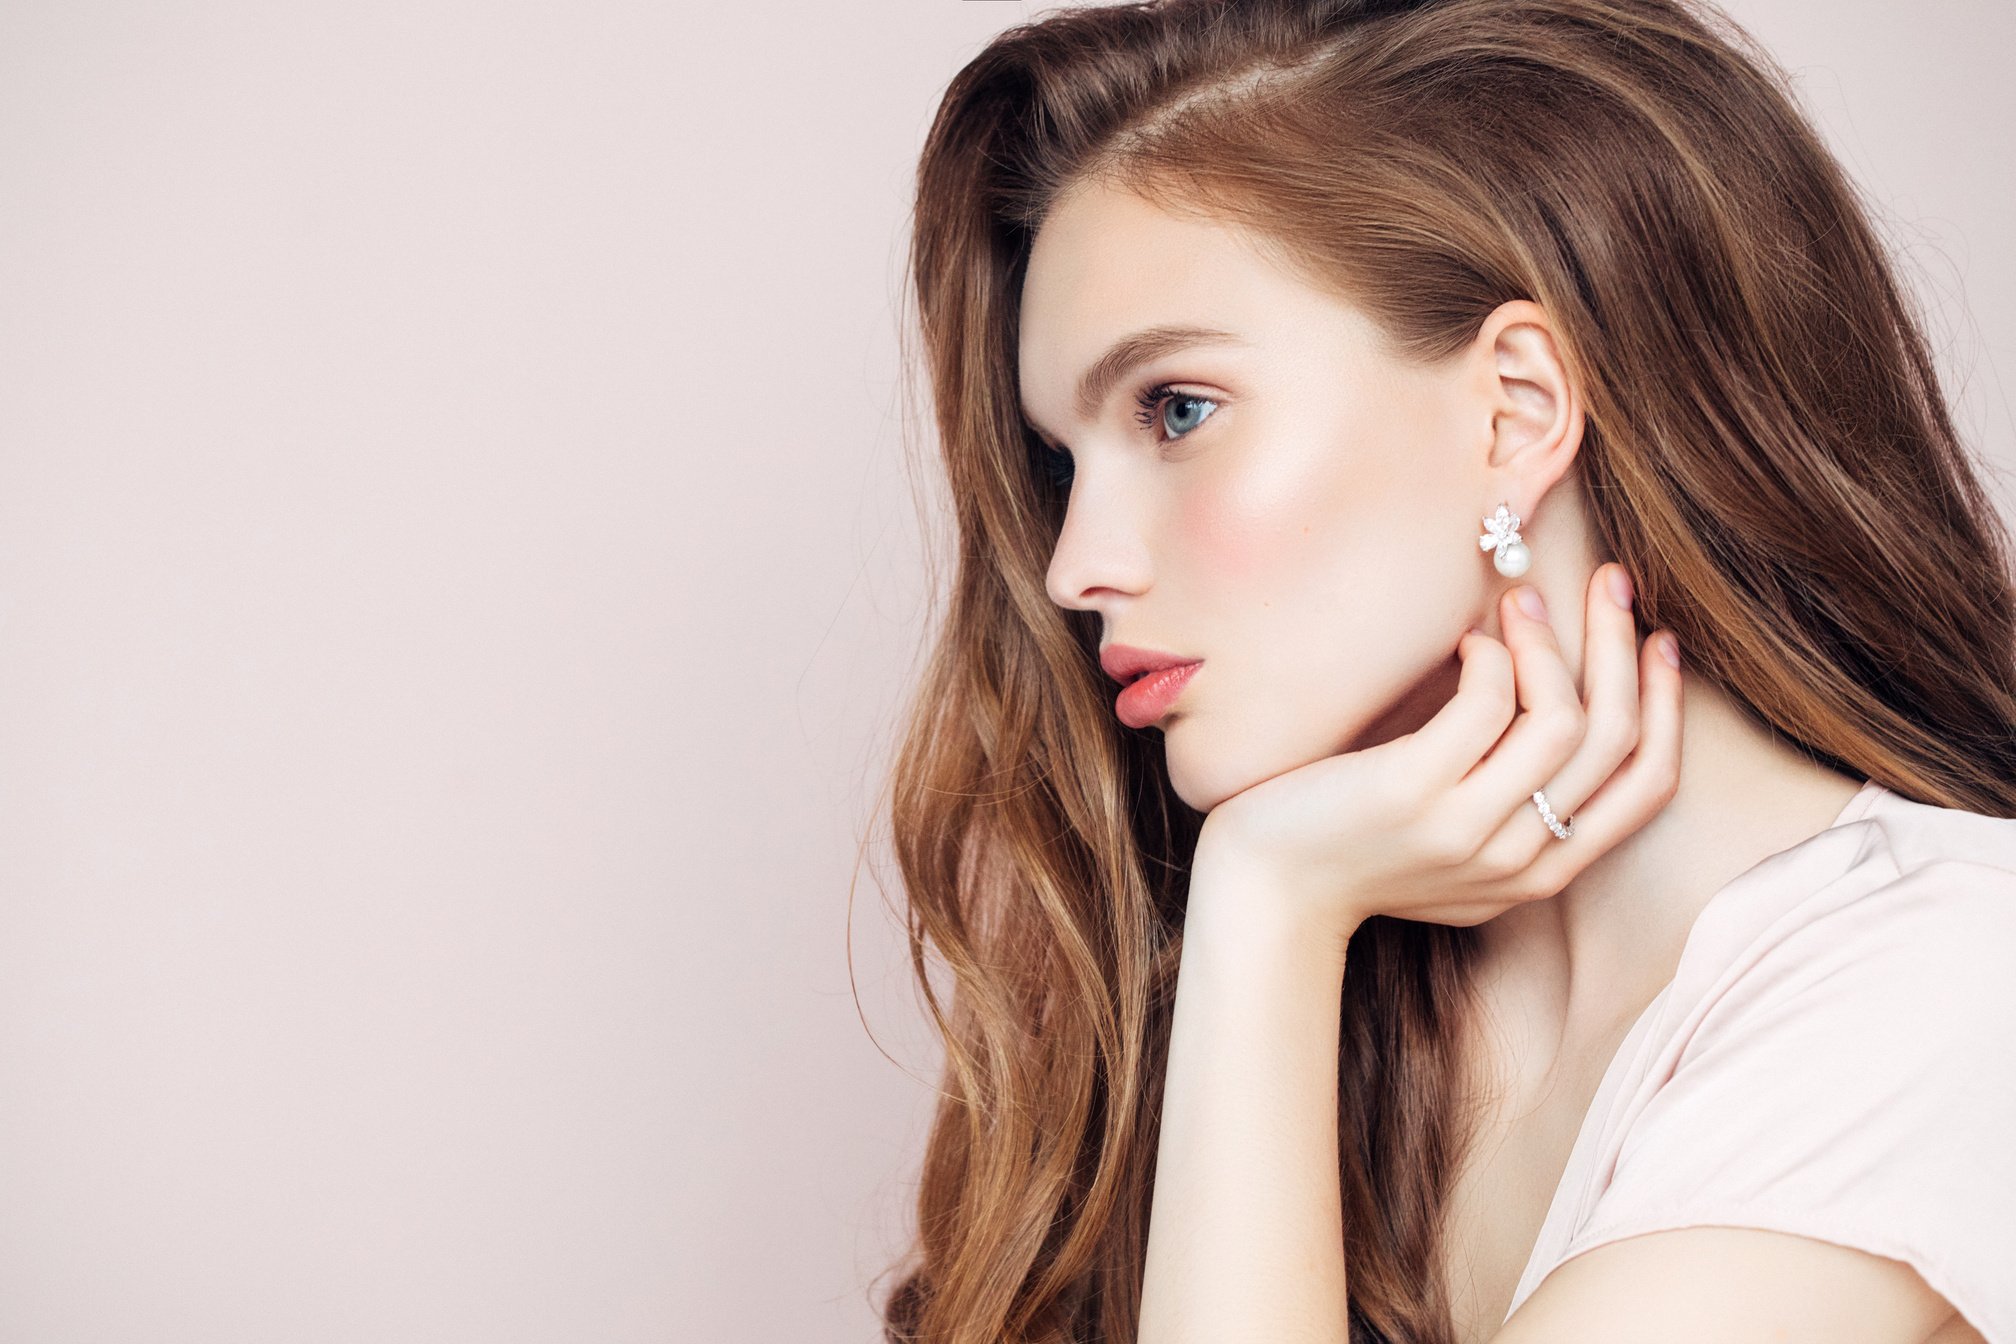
[{"x": 1501, "y": 532}]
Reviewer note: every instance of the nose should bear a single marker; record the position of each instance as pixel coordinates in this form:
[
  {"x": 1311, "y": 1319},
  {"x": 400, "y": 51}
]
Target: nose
[{"x": 1100, "y": 553}]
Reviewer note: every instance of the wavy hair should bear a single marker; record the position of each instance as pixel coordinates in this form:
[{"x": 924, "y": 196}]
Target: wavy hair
[{"x": 1766, "y": 449}]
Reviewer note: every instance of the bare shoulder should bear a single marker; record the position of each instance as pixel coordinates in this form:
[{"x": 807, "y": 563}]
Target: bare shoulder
[{"x": 1737, "y": 1285}]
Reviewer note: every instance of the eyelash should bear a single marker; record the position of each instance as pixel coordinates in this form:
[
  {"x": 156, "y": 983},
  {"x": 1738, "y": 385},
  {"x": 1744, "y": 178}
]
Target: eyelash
[{"x": 1151, "y": 400}]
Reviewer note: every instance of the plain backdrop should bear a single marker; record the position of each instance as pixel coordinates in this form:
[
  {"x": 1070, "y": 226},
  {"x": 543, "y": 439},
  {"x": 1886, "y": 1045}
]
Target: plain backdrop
[{"x": 457, "y": 578}]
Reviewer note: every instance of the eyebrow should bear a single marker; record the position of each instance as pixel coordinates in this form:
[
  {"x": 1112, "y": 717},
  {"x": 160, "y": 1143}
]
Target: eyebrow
[{"x": 1128, "y": 353}]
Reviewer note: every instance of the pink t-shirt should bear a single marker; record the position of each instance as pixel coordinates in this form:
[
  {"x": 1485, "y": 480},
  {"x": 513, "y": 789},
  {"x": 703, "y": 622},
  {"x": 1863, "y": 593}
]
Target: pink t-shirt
[{"x": 1835, "y": 1056}]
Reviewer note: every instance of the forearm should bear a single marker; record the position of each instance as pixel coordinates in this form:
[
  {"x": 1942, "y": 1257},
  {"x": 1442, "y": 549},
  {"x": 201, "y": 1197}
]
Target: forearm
[{"x": 1245, "y": 1237}]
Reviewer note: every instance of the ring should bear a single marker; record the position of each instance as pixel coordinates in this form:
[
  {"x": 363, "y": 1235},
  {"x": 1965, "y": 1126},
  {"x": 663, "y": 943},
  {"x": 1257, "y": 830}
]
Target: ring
[{"x": 1561, "y": 830}]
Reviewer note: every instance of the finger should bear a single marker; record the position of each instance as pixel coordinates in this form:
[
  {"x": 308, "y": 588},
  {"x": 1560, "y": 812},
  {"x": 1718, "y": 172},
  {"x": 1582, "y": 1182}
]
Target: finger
[
  {"x": 1637, "y": 791},
  {"x": 1610, "y": 700},
  {"x": 1542, "y": 737},
  {"x": 1446, "y": 747}
]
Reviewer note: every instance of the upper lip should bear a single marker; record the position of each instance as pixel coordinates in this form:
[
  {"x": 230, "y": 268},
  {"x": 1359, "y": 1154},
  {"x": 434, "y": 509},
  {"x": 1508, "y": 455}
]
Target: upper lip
[{"x": 1124, "y": 663}]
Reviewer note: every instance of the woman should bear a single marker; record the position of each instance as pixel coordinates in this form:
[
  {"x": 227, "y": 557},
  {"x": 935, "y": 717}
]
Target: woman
[{"x": 1357, "y": 973}]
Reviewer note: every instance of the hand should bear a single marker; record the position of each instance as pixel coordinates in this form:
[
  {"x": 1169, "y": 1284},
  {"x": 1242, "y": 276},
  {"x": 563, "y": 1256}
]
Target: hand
[{"x": 1427, "y": 826}]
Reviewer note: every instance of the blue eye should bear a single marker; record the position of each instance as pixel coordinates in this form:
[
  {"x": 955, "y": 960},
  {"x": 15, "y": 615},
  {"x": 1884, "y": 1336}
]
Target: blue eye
[
  {"x": 1152, "y": 399},
  {"x": 1057, "y": 465}
]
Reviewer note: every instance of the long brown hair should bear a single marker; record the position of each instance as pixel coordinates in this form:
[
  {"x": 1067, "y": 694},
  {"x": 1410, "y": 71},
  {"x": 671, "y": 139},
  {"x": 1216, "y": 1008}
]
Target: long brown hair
[{"x": 1766, "y": 448}]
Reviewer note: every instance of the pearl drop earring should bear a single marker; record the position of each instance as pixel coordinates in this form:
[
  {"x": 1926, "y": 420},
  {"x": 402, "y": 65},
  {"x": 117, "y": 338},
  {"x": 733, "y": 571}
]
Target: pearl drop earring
[{"x": 1501, "y": 532}]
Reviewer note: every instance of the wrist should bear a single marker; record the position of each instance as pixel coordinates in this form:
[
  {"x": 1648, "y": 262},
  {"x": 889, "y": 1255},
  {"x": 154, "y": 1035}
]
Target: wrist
[{"x": 1238, "y": 909}]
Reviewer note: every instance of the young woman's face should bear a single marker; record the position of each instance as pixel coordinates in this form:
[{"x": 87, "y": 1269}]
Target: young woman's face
[{"x": 1297, "y": 510}]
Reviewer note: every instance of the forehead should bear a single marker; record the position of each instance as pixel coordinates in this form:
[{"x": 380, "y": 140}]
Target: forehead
[{"x": 1106, "y": 263}]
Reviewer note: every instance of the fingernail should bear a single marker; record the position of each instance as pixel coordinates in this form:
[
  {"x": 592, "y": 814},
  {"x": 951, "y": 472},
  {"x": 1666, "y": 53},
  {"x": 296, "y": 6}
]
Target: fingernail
[
  {"x": 1620, "y": 587},
  {"x": 1669, "y": 648},
  {"x": 1530, "y": 603}
]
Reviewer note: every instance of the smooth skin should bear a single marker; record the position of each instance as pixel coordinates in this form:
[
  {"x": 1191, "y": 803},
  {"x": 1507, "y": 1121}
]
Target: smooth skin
[
  {"x": 1439, "y": 824},
  {"x": 1243, "y": 1241},
  {"x": 1301, "y": 510}
]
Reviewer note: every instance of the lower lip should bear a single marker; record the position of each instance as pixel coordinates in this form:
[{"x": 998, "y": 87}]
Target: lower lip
[{"x": 1146, "y": 700}]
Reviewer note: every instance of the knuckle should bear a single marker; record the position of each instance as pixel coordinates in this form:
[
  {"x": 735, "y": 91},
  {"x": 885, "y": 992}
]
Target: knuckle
[
  {"x": 1614, "y": 737},
  {"x": 1662, "y": 769},
  {"x": 1569, "y": 725},
  {"x": 1448, "y": 846},
  {"x": 1411, "y": 800},
  {"x": 1672, "y": 789},
  {"x": 1400, "y": 805},
  {"x": 1538, "y": 883},
  {"x": 1503, "y": 861}
]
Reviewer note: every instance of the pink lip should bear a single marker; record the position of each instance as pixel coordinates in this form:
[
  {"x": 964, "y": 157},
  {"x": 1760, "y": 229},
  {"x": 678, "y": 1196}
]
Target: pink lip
[{"x": 1147, "y": 700}]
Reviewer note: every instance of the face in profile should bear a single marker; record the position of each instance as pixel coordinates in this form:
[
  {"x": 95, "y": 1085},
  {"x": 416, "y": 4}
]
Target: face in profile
[{"x": 1278, "y": 499}]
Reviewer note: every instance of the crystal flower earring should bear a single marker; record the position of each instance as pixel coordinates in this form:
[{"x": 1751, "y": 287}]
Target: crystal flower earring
[{"x": 1501, "y": 533}]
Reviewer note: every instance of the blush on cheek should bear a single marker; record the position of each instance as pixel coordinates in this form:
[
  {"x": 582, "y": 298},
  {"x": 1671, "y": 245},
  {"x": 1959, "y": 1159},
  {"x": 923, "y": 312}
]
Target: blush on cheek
[{"x": 1239, "y": 539}]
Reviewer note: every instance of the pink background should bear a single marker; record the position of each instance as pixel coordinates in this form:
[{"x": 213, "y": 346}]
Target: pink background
[{"x": 457, "y": 575}]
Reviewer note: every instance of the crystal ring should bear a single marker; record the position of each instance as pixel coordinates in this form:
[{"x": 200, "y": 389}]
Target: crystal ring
[{"x": 1562, "y": 830}]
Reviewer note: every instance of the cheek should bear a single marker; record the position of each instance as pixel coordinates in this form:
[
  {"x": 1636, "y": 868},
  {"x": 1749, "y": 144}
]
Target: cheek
[
  {"x": 1272, "y": 537},
  {"x": 1263, "y": 527},
  {"x": 1234, "y": 538},
  {"x": 1344, "y": 566}
]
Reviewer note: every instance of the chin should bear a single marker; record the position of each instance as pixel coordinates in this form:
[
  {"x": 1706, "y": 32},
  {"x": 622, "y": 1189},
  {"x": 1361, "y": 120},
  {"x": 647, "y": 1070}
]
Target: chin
[
  {"x": 1204, "y": 778},
  {"x": 1200, "y": 794}
]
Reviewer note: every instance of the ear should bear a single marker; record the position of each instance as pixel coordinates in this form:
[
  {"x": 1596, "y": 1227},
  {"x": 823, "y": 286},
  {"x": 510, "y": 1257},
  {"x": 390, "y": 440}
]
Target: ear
[{"x": 1535, "y": 408}]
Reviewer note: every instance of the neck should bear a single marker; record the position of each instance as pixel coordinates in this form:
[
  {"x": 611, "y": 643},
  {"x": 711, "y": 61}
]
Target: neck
[{"x": 1581, "y": 965}]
